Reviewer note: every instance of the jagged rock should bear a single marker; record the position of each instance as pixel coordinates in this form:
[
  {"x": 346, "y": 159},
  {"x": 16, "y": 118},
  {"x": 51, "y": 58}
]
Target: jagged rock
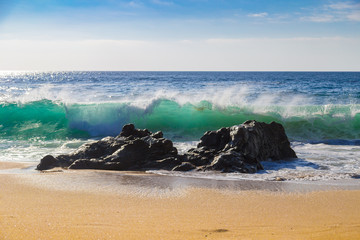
[
  {"x": 200, "y": 156},
  {"x": 158, "y": 134},
  {"x": 48, "y": 162},
  {"x": 132, "y": 149},
  {"x": 129, "y": 130},
  {"x": 215, "y": 139},
  {"x": 88, "y": 164},
  {"x": 165, "y": 164},
  {"x": 185, "y": 166},
  {"x": 131, "y": 152},
  {"x": 233, "y": 162},
  {"x": 238, "y": 148}
]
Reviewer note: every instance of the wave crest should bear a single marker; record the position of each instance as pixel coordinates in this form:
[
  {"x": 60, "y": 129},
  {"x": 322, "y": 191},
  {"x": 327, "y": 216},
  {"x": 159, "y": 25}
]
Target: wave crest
[{"x": 56, "y": 120}]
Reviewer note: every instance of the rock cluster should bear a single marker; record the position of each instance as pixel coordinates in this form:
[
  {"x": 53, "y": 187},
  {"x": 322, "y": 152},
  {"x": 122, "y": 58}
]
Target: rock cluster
[
  {"x": 241, "y": 148},
  {"x": 238, "y": 148}
]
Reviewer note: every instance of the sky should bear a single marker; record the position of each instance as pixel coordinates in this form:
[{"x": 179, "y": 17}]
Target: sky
[{"x": 187, "y": 35}]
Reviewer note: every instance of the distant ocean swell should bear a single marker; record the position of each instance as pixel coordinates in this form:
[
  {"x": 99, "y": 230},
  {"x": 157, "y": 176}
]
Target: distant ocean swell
[{"x": 48, "y": 120}]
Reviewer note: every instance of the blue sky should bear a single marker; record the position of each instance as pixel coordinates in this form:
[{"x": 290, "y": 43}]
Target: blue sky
[{"x": 195, "y": 27}]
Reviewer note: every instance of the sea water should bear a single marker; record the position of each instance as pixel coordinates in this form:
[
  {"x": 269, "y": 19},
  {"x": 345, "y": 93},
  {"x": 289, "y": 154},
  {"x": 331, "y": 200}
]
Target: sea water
[{"x": 55, "y": 112}]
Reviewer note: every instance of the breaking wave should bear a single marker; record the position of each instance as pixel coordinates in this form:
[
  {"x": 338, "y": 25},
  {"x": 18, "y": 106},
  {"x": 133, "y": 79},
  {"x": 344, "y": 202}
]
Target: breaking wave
[{"x": 48, "y": 119}]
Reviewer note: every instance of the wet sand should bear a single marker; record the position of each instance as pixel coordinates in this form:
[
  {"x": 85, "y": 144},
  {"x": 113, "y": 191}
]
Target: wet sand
[
  {"x": 13, "y": 165},
  {"x": 88, "y": 205}
]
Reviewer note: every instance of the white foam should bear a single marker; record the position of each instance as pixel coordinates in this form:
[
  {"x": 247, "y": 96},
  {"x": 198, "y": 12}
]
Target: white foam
[
  {"x": 317, "y": 162},
  {"x": 145, "y": 97},
  {"x": 183, "y": 147},
  {"x": 35, "y": 149}
]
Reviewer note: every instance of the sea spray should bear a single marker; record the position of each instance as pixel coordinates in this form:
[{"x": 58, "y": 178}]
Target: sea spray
[
  {"x": 54, "y": 112},
  {"x": 55, "y": 120}
]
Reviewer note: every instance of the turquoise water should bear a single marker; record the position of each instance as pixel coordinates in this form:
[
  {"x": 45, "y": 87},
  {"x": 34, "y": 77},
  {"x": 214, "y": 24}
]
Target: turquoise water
[
  {"x": 54, "y": 112},
  {"x": 51, "y": 120}
]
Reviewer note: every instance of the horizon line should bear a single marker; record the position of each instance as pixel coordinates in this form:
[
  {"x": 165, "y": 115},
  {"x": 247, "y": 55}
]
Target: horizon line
[{"x": 334, "y": 71}]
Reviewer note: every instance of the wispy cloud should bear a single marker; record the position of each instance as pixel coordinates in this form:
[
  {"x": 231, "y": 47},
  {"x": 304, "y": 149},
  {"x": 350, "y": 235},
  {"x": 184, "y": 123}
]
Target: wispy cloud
[
  {"x": 335, "y": 12},
  {"x": 134, "y": 4},
  {"x": 163, "y": 3},
  {"x": 318, "y": 18},
  {"x": 354, "y": 16},
  {"x": 258, "y": 15},
  {"x": 342, "y": 5}
]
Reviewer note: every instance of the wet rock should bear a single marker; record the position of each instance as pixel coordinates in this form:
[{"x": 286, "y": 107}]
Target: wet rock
[
  {"x": 229, "y": 162},
  {"x": 185, "y": 166},
  {"x": 158, "y": 134},
  {"x": 48, "y": 162},
  {"x": 131, "y": 152},
  {"x": 87, "y": 164},
  {"x": 215, "y": 139},
  {"x": 165, "y": 164},
  {"x": 239, "y": 148},
  {"x": 129, "y": 130},
  {"x": 132, "y": 149},
  {"x": 95, "y": 149}
]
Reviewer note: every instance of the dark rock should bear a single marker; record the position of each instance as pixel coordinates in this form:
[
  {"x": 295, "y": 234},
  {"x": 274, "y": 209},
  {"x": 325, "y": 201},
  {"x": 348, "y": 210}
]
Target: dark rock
[
  {"x": 238, "y": 148},
  {"x": 215, "y": 139},
  {"x": 64, "y": 160},
  {"x": 129, "y": 130},
  {"x": 185, "y": 166},
  {"x": 48, "y": 162},
  {"x": 118, "y": 166},
  {"x": 134, "y": 150},
  {"x": 129, "y": 155},
  {"x": 160, "y": 147},
  {"x": 96, "y": 149},
  {"x": 232, "y": 162},
  {"x": 158, "y": 134},
  {"x": 241, "y": 148},
  {"x": 200, "y": 156},
  {"x": 166, "y": 164},
  {"x": 87, "y": 164},
  {"x": 198, "y": 160},
  {"x": 261, "y": 141},
  {"x": 355, "y": 176}
]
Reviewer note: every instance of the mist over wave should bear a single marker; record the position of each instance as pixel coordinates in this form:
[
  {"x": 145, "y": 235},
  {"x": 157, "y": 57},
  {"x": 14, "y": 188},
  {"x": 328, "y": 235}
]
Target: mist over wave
[
  {"x": 55, "y": 112},
  {"x": 187, "y": 121},
  {"x": 60, "y": 105}
]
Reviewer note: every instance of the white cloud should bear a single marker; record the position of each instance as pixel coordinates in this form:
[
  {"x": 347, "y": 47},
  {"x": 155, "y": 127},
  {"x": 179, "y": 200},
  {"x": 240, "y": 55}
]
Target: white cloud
[
  {"x": 258, "y": 15},
  {"x": 354, "y": 16},
  {"x": 341, "y": 5},
  {"x": 335, "y": 12}
]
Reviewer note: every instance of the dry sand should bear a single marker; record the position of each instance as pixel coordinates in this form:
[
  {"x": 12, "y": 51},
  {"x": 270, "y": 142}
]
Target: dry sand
[{"x": 28, "y": 211}]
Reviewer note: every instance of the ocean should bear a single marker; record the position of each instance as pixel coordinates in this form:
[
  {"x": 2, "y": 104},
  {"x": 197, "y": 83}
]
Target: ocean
[{"x": 55, "y": 112}]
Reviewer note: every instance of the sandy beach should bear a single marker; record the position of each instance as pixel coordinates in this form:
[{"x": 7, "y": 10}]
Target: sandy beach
[
  {"x": 32, "y": 211},
  {"x": 179, "y": 120}
]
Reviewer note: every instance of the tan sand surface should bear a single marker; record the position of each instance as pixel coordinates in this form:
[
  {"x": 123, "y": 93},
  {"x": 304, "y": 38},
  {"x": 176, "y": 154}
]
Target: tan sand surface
[
  {"x": 30, "y": 212},
  {"x": 12, "y": 165}
]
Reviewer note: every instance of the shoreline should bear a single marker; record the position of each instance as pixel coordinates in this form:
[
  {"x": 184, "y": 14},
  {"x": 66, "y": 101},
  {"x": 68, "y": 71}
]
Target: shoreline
[
  {"x": 116, "y": 182},
  {"x": 148, "y": 206}
]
